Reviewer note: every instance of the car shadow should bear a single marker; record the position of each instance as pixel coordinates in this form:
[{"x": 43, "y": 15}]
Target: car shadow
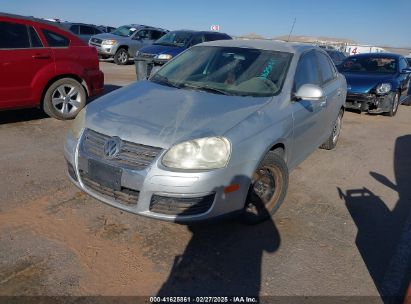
[
  {"x": 22, "y": 115},
  {"x": 222, "y": 258},
  {"x": 384, "y": 235}
]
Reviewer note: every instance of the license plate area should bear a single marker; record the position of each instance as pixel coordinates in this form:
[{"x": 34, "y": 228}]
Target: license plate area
[{"x": 106, "y": 175}]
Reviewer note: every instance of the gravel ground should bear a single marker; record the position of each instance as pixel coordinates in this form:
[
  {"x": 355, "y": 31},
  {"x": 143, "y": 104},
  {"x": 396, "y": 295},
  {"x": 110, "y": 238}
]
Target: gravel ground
[{"x": 343, "y": 230}]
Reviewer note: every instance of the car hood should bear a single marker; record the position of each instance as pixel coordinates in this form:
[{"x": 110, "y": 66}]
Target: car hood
[
  {"x": 162, "y": 49},
  {"x": 363, "y": 83},
  {"x": 109, "y": 36},
  {"x": 160, "y": 116}
]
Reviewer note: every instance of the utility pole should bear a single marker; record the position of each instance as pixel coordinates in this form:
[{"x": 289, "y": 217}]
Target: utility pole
[{"x": 292, "y": 27}]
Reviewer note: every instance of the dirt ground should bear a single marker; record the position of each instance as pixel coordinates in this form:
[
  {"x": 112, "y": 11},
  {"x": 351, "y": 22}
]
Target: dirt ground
[{"x": 344, "y": 228}]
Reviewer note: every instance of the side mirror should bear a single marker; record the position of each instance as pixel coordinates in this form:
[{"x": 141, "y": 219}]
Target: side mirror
[
  {"x": 406, "y": 71},
  {"x": 309, "y": 92}
]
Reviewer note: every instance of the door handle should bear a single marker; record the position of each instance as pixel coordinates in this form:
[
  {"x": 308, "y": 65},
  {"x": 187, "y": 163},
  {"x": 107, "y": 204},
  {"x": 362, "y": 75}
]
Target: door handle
[{"x": 38, "y": 56}]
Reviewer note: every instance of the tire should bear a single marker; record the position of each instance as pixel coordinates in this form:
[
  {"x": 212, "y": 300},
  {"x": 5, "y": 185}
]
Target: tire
[
  {"x": 395, "y": 103},
  {"x": 267, "y": 190},
  {"x": 332, "y": 140},
  {"x": 121, "y": 57},
  {"x": 64, "y": 99}
]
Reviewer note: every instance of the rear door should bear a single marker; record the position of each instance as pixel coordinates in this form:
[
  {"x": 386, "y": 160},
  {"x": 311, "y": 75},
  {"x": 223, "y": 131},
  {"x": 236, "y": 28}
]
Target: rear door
[
  {"x": 22, "y": 57},
  {"x": 332, "y": 92},
  {"x": 308, "y": 115},
  {"x": 86, "y": 32}
]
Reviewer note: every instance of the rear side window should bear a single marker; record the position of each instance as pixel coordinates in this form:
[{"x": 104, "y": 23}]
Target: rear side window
[
  {"x": 86, "y": 30},
  {"x": 307, "y": 71},
  {"x": 327, "y": 71},
  {"x": 14, "y": 36},
  {"x": 55, "y": 40},
  {"x": 34, "y": 38},
  {"x": 75, "y": 29}
]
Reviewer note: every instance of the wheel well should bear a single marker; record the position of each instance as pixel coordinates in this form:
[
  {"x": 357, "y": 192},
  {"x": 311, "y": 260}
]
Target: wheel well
[
  {"x": 51, "y": 81},
  {"x": 122, "y": 47},
  {"x": 278, "y": 149}
]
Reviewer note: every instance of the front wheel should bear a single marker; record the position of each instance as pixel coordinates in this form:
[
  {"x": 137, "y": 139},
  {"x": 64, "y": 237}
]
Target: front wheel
[
  {"x": 395, "y": 102},
  {"x": 64, "y": 99},
  {"x": 121, "y": 57},
  {"x": 332, "y": 140},
  {"x": 267, "y": 190}
]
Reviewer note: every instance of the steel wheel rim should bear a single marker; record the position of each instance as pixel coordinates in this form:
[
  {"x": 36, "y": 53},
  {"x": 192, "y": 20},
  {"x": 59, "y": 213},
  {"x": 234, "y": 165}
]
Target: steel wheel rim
[
  {"x": 265, "y": 190},
  {"x": 66, "y": 99},
  {"x": 122, "y": 57},
  {"x": 337, "y": 129}
]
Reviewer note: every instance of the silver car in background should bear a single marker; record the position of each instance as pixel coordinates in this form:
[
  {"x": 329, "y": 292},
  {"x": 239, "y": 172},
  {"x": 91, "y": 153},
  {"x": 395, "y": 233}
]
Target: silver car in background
[
  {"x": 122, "y": 43},
  {"x": 214, "y": 132}
]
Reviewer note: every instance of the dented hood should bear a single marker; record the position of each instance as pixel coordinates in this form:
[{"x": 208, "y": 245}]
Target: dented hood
[{"x": 161, "y": 116}]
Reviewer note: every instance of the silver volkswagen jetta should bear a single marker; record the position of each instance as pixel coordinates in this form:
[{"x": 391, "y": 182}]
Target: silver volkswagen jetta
[{"x": 214, "y": 132}]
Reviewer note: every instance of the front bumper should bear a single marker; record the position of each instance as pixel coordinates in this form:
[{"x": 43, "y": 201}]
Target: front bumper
[
  {"x": 105, "y": 50},
  {"x": 162, "y": 194},
  {"x": 370, "y": 103}
]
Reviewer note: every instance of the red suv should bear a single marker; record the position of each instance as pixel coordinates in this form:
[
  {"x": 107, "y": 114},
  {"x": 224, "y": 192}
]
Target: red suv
[{"x": 42, "y": 65}]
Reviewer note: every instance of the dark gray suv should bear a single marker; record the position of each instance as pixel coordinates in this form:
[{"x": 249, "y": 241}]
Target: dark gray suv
[{"x": 122, "y": 43}]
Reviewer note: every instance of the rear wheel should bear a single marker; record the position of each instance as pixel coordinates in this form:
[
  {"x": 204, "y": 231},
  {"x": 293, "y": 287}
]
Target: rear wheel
[
  {"x": 267, "y": 190},
  {"x": 395, "y": 102},
  {"x": 121, "y": 57},
  {"x": 332, "y": 140},
  {"x": 64, "y": 99}
]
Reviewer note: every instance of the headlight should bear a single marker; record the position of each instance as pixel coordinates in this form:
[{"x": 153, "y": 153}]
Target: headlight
[
  {"x": 164, "y": 56},
  {"x": 383, "y": 88},
  {"x": 203, "y": 153},
  {"x": 109, "y": 42},
  {"x": 78, "y": 124}
]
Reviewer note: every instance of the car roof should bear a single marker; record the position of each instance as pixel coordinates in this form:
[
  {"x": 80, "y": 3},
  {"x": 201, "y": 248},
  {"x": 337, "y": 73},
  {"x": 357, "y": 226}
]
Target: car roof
[
  {"x": 140, "y": 26},
  {"x": 201, "y": 32},
  {"x": 269, "y": 45},
  {"x": 28, "y": 18},
  {"x": 385, "y": 55}
]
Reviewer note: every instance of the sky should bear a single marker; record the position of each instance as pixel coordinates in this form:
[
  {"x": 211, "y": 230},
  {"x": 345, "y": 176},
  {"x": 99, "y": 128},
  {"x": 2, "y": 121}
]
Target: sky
[{"x": 375, "y": 22}]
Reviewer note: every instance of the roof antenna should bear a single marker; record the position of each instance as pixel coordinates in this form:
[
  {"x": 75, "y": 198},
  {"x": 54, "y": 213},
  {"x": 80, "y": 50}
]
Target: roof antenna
[{"x": 292, "y": 27}]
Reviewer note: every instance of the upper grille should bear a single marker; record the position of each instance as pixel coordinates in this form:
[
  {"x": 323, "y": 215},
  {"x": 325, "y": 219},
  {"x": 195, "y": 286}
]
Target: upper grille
[{"x": 132, "y": 156}]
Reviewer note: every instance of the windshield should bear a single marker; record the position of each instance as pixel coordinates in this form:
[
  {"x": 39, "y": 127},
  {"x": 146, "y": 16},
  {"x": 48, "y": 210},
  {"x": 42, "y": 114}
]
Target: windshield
[
  {"x": 125, "y": 31},
  {"x": 180, "y": 39},
  {"x": 227, "y": 70},
  {"x": 370, "y": 65}
]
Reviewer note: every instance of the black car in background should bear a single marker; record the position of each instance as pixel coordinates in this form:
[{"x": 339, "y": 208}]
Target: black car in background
[
  {"x": 150, "y": 58},
  {"x": 82, "y": 30},
  {"x": 336, "y": 56}
]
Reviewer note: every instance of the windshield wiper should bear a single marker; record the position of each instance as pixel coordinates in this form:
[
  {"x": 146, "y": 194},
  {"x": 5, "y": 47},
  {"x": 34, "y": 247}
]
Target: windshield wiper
[
  {"x": 206, "y": 88},
  {"x": 164, "y": 80}
]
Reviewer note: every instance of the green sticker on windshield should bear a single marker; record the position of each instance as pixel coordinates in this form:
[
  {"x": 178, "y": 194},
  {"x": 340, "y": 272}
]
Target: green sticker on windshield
[{"x": 267, "y": 70}]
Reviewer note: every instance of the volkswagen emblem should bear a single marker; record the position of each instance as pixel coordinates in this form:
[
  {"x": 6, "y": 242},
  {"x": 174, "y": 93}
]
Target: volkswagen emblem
[{"x": 112, "y": 147}]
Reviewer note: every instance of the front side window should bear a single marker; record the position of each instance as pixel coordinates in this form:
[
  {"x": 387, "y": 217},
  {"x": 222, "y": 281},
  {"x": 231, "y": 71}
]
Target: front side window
[
  {"x": 369, "y": 64},
  {"x": 197, "y": 39},
  {"x": 156, "y": 35},
  {"x": 403, "y": 64},
  {"x": 178, "y": 39},
  {"x": 14, "y": 36},
  {"x": 227, "y": 70},
  {"x": 307, "y": 71},
  {"x": 54, "y": 39},
  {"x": 75, "y": 29}
]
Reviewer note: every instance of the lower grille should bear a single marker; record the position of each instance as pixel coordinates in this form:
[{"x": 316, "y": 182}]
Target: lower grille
[
  {"x": 125, "y": 196},
  {"x": 181, "y": 206}
]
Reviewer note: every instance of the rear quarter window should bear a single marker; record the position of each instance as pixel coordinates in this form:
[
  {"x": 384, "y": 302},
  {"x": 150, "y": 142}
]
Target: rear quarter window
[{"x": 55, "y": 40}]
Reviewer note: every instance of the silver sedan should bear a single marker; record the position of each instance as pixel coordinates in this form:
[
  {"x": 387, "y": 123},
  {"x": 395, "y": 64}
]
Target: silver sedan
[{"x": 215, "y": 132}]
